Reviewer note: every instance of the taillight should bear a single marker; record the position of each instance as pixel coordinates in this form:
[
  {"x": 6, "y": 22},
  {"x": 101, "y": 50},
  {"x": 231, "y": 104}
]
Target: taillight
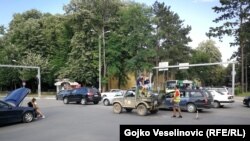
[
  {"x": 89, "y": 94},
  {"x": 205, "y": 100}
]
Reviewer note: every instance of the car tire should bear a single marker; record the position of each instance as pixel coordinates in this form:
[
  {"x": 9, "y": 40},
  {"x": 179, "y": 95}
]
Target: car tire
[
  {"x": 128, "y": 110},
  {"x": 106, "y": 102},
  {"x": 216, "y": 104},
  {"x": 117, "y": 108},
  {"x": 28, "y": 117},
  {"x": 191, "y": 108},
  {"x": 142, "y": 110},
  {"x": 65, "y": 100},
  {"x": 154, "y": 111},
  {"x": 83, "y": 101},
  {"x": 248, "y": 104}
]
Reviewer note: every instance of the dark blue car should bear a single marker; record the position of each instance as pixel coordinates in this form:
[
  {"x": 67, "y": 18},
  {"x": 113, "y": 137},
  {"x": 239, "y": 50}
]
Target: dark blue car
[
  {"x": 191, "y": 100},
  {"x": 81, "y": 95},
  {"x": 11, "y": 112}
]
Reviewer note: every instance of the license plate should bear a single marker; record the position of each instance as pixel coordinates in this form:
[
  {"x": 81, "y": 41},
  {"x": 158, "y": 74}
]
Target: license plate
[{"x": 95, "y": 95}]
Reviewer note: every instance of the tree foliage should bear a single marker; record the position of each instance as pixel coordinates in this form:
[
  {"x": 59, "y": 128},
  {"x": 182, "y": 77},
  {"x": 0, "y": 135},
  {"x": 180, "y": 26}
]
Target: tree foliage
[{"x": 132, "y": 37}]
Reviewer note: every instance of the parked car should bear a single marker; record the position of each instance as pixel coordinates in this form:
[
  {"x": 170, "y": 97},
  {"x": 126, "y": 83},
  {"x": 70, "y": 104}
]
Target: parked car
[
  {"x": 220, "y": 99},
  {"x": 246, "y": 101},
  {"x": 191, "y": 100},
  {"x": 223, "y": 90},
  {"x": 62, "y": 94},
  {"x": 81, "y": 95},
  {"x": 12, "y": 112},
  {"x": 112, "y": 92},
  {"x": 108, "y": 99}
]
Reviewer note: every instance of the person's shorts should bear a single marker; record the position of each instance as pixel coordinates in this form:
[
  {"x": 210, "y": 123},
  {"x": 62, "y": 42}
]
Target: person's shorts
[{"x": 176, "y": 105}]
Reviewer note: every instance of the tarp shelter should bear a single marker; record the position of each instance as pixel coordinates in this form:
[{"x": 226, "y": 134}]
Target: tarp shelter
[{"x": 60, "y": 85}]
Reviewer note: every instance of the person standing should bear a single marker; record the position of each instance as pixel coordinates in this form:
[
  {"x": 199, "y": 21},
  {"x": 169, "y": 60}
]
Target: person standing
[{"x": 176, "y": 102}]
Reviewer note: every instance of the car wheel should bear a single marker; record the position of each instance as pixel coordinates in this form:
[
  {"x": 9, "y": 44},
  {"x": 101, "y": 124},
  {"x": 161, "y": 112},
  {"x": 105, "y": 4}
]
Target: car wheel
[
  {"x": 128, "y": 110},
  {"x": 191, "y": 108},
  {"x": 28, "y": 117},
  {"x": 248, "y": 103},
  {"x": 216, "y": 104},
  {"x": 142, "y": 110},
  {"x": 106, "y": 102},
  {"x": 83, "y": 101},
  {"x": 153, "y": 111},
  {"x": 117, "y": 108},
  {"x": 66, "y": 100}
]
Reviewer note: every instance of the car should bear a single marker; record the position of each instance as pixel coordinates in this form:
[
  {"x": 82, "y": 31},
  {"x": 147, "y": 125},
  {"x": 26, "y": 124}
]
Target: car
[
  {"x": 246, "y": 101},
  {"x": 191, "y": 100},
  {"x": 223, "y": 90},
  {"x": 112, "y": 92},
  {"x": 108, "y": 99},
  {"x": 61, "y": 94},
  {"x": 220, "y": 99},
  {"x": 82, "y": 95},
  {"x": 12, "y": 112},
  {"x": 143, "y": 103}
]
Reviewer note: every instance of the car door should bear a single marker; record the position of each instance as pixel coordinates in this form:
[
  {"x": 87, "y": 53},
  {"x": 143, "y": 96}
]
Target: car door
[
  {"x": 197, "y": 98},
  {"x": 9, "y": 114},
  {"x": 168, "y": 100},
  {"x": 184, "y": 98},
  {"x": 74, "y": 95},
  {"x": 129, "y": 99},
  {"x": 4, "y": 113}
]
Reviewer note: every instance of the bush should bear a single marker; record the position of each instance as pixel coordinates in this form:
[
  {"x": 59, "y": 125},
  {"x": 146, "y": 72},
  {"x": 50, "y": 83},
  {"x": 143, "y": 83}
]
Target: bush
[{"x": 238, "y": 90}]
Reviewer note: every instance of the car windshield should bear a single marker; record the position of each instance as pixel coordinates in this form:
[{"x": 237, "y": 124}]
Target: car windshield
[{"x": 171, "y": 84}]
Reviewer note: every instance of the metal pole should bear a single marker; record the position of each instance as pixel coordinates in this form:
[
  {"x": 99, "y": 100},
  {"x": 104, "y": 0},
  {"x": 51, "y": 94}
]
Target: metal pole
[
  {"x": 233, "y": 78},
  {"x": 100, "y": 65},
  {"x": 28, "y": 67},
  {"x": 39, "y": 81}
]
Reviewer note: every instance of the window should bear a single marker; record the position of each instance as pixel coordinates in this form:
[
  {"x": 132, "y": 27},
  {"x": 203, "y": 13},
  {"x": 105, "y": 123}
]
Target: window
[
  {"x": 184, "y": 94},
  {"x": 196, "y": 94},
  {"x": 130, "y": 94}
]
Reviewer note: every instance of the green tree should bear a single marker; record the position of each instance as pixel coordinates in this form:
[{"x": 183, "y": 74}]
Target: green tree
[
  {"x": 211, "y": 50},
  {"x": 235, "y": 13},
  {"x": 170, "y": 36}
]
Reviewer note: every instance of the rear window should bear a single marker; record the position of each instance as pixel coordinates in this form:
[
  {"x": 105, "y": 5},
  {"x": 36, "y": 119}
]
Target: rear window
[{"x": 207, "y": 93}]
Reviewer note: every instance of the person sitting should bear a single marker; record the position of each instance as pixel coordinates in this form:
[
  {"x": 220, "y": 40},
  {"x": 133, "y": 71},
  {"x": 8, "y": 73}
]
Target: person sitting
[{"x": 33, "y": 104}]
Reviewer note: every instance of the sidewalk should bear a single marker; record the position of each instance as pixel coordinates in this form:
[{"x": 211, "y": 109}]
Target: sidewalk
[{"x": 239, "y": 98}]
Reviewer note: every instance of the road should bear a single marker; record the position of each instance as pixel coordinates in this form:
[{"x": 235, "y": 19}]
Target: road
[{"x": 75, "y": 122}]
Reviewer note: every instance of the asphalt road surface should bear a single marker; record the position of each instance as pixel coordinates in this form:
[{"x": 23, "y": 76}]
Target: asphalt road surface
[{"x": 74, "y": 122}]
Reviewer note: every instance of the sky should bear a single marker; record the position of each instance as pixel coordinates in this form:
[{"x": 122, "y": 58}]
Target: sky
[{"x": 196, "y": 13}]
